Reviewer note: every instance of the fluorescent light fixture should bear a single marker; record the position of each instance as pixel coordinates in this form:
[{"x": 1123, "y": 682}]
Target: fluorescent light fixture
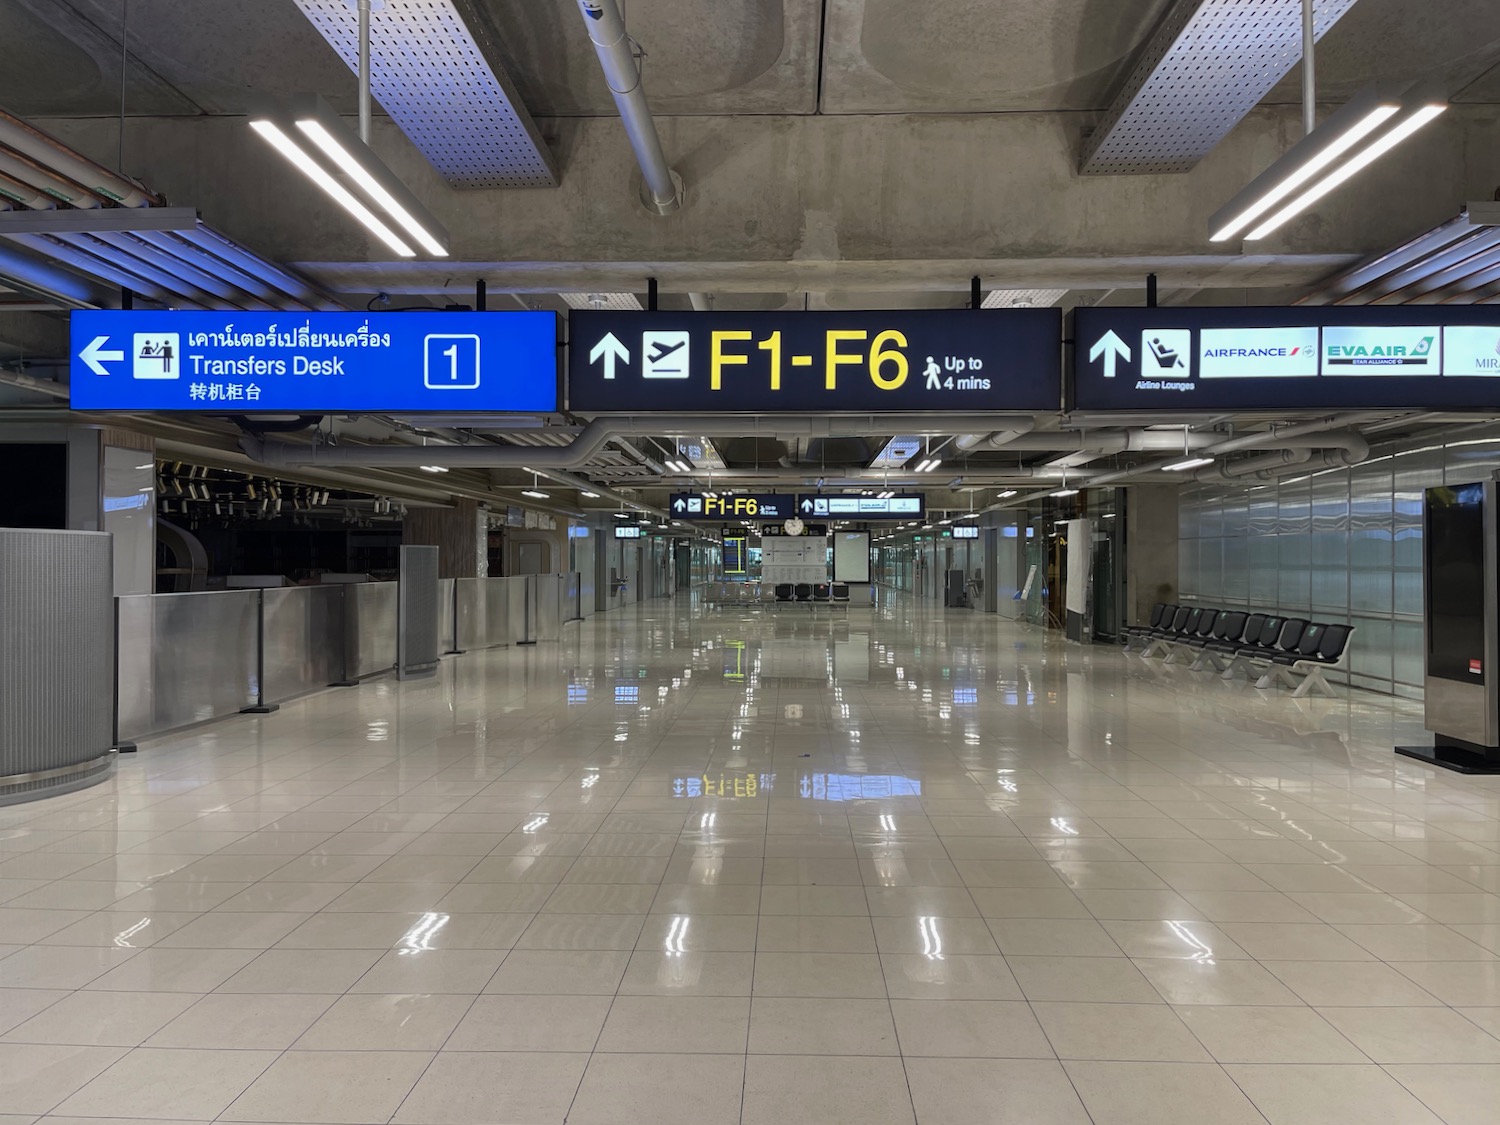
[
  {"x": 1372, "y": 123},
  {"x": 534, "y": 494},
  {"x": 1066, "y": 492},
  {"x": 590, "y": 495},
  {"x": 1008, "y": 493},
  {"x": 314, "y": 172},
  {"x": 622, "y": 515},
  {"x": 307, "y": 131},
  {"x": 434, "y": 469},
  {"x": 1374, "y": 152},
  {"x": 1190, "y": 463},
  {"x": 330, "y": 146}
]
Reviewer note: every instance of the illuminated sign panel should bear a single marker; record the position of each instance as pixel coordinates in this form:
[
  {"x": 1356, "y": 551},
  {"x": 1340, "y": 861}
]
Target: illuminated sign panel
[
  {"x": 241, "y": 362},
  {"x": 862, "y": 507},
  {"x": 699, "y": 506},
  {"x": 965, "y": 532},
  {"x": 1299, "y": 358},
  {"x": 627, "y": 533},
  {"x": 775, "y": 506},
  {"x": 734, "y": 554},
  {"x": 939, "y": 360}
]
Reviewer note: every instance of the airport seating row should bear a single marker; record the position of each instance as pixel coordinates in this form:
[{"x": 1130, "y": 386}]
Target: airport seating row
[
  {"x": 1266, "y": 647},
  {"x": 756, "y": 594}
]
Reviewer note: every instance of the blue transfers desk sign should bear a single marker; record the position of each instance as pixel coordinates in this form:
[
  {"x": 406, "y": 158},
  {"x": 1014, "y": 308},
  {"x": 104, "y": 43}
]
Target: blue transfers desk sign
[{"x": 279, "y": 362}]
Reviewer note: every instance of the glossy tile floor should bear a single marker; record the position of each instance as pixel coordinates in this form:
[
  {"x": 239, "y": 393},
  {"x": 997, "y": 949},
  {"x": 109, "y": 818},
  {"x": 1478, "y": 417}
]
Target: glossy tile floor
[{"x": 702, "y": 868}]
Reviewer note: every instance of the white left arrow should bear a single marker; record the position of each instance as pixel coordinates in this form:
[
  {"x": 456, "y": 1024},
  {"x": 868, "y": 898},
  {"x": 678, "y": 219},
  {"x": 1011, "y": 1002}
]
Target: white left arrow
[
  {"x": 610, "y": 349},
  {"x": 96, "y": 358}
]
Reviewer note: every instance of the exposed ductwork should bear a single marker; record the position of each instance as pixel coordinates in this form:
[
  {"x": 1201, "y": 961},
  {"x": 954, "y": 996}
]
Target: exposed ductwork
[
  {"x": 40, "y": 153},
  {"x": 587, "y": 443},
  {"x": 968, "y": 442},
  {"x": 622, "y": 70}
]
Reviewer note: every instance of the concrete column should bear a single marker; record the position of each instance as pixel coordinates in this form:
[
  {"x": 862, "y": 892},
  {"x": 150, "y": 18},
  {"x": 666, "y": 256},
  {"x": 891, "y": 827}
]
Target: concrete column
[{"x": 1151, "y": 567}]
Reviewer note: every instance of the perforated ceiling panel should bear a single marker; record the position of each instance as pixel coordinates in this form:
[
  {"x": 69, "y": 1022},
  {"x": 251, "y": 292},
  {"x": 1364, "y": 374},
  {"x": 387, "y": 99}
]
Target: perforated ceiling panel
[
  {"x": 1209, "y": 64},
  {"x": 1022, "y": 298},
  {"x": 613, "y": 302},
  {"x": 433, "y": 72}
]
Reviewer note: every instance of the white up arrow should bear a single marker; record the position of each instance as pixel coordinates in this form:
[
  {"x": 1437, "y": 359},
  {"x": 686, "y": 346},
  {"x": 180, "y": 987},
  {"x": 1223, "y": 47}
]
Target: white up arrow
[
  {"x": 678, "y": 505},
  {"x": 96, "y": 359},
  {"x": 609, "y": 349},
  {"x": 1110, "y": 346}
]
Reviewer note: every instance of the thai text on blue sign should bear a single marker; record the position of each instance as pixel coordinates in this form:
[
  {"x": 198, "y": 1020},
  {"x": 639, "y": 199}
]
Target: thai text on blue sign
[{"x": 269, "y": 362}]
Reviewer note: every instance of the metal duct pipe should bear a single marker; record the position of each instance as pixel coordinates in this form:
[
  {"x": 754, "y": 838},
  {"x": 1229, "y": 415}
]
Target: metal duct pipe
[
  {"x": 34, "y": 175},
  {"x": 1352, "y": 449},
  {"x": 53, "y": 154},
  {"x": 26, "y": 195},
  {"x": 1231, "y": 470},
  {"x": 478, "y": 456},
  {"x": 606, "y": 27},
  {"x": 995, "y": 440},
  {"x": 32, "y": 383}
]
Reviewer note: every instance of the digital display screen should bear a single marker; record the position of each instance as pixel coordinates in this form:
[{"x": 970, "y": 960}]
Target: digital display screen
[
  {"x": 1454, "y": 542},
  {"x": 735, "y": 555},
  {"x": 1302, "y": 358},
  {"x": 951, "y": 360}
]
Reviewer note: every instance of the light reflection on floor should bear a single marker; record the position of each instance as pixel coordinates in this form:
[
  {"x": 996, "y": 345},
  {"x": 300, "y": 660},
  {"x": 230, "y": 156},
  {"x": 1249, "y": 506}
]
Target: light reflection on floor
[{"x": 707, "y": 866}]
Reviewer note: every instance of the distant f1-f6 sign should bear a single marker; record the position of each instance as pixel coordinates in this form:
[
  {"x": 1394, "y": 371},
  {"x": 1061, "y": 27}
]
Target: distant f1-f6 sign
[{"x": 949, "y": 360}]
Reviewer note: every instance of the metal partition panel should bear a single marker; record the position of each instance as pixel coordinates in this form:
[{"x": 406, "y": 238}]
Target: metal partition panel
[
  {"x": 136, "y": 642},
  {"x": 469, "y": 603},
  {"x": 497, "y": 610},
  {"x": 417, "y": 613},
  {"x": 302, "y": 631},
  {"x": 203, "y": 656},
  {"x": 447, "y": 636},
  {"x": 369, "y": 628},
  {"x": 56, "y": 662},
  {"x": 517, "y": 631},
  {"x": 547, "y": 608},
  {"x": 572, "y": 596}
]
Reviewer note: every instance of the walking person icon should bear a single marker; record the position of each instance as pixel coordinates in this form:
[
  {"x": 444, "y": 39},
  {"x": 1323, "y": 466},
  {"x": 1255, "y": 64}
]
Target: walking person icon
[{"x": 933, "y": 371}]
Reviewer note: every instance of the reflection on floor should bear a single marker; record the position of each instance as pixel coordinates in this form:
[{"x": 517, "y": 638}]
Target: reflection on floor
[{"x": 765, "y": 868}]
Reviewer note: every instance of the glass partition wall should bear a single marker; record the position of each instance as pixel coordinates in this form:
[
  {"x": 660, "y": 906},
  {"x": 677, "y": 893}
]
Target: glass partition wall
[{"x": 1338, "y": 545}]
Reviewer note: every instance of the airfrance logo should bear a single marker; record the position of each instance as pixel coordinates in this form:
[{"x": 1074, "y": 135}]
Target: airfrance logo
[
  {"x": 1251, "y": 353},
  {"x": 1290, "y": 351},
  {"x": 1381, "y": 355}
]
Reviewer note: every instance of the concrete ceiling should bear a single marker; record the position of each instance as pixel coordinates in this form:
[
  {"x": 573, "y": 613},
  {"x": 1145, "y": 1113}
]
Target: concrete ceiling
[{"x": 836, "y": 153}]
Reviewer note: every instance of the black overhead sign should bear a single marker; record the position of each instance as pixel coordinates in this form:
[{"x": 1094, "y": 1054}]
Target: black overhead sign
[
  {"x": 1304, "y": 358},
  {"x": 777, "y": 506},
  {"x": 864, "y": 362},
  {"x": 741, "y": 506}
]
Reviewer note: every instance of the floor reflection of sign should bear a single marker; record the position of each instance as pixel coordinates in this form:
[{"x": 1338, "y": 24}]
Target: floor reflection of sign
[
  {"x": 857, "y": 787},
  {"x": 724, "y": 785},
  {"x": 1030, "y": 581}
]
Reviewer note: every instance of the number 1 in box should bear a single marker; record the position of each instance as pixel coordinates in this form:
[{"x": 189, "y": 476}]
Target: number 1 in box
[{"x": 450, "y": 362}]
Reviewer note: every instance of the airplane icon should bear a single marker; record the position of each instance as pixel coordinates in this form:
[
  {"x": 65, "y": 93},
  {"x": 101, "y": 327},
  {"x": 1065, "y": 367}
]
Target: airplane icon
[{"x": 664, "y": 355}]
